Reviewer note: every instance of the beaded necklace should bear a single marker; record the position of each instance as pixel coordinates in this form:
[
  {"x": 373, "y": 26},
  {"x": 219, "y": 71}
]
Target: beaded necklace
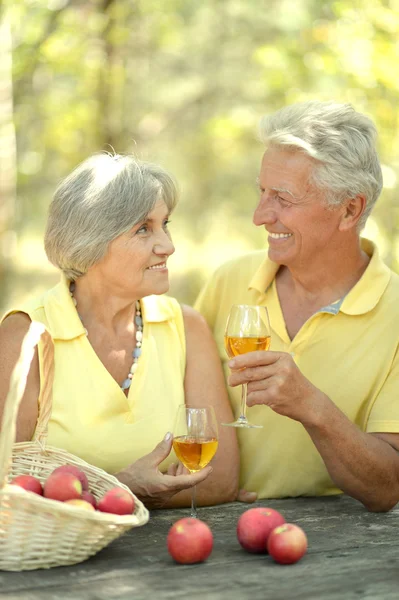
[{"x": 138, "y": 320}]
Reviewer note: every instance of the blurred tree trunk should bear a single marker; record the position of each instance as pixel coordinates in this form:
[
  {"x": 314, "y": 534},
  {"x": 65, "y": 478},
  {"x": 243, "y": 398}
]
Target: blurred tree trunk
[
  {"x": 9, "y": 94},
  {"x": 7, "y": 159},
  {"x": 107, "y": 134}
]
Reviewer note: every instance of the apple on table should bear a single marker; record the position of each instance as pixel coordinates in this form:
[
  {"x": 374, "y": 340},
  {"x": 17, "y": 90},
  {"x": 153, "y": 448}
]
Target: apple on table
[
  {"x": 287, "y": 544},
  {"x": 189, "y": 541},
  {"x": 254, "y": 527}
]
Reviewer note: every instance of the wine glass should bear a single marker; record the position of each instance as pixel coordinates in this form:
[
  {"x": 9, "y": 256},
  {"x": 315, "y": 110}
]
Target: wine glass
[
  {"x": 195, "y": 441},
  {"x": 247, "y": 330}
]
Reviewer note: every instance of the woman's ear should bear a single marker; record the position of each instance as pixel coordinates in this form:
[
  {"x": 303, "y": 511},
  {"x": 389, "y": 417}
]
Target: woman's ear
[{"x": 353, "y": 210}]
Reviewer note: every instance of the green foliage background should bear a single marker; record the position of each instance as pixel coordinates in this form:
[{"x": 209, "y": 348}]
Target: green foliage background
[{"x": 182, "y": 83}]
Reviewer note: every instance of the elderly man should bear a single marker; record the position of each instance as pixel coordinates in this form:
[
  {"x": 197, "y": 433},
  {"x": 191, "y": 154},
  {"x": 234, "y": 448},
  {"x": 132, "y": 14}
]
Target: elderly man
[{"x": 327, "y": 394}]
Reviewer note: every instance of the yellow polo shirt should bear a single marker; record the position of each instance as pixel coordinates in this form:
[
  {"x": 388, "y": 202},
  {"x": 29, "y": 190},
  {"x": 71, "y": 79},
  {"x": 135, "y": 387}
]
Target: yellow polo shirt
[
  {"x": 349, "y": 350},
  {"x": 91, "y": 416}
]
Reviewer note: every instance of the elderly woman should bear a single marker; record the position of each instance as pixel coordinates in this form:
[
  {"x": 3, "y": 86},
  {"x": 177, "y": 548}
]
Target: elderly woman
[
  {"x": 327, "y": 392},
  {"x": 125, "y": 355}
]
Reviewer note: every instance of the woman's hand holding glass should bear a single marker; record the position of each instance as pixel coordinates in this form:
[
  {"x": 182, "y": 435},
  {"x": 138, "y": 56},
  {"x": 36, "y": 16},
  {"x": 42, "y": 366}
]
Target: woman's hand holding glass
[
  {"x": 195, "y": 441},
  {"x": 155, "y": 489}
]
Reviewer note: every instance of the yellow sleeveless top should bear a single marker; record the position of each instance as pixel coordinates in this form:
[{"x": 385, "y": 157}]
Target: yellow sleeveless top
[{"x": 91, "y": 416}]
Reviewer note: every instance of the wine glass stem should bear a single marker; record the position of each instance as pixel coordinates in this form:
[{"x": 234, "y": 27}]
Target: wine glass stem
[
  {"x": 194, "y": 502},
  {"x": 243, "y": 412}
]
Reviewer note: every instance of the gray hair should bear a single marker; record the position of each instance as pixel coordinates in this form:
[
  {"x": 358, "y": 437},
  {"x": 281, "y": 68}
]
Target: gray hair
[
  {"x": 104, "y": 197},
  {"x": 342, "y": 140}
]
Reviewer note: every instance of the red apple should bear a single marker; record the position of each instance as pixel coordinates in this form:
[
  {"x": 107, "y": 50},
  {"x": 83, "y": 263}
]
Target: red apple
[
  {"x": 80, "y": 503},
  {"x": 29, "y": 483},
  {"x": 75, "y": 471},
  {"x": 89, "y": 498},
  {"x": 254, "y": 527},
  {"x": 117, "y": 501},
  {"x": 287, "y": 544},
  {"x": 189, "y": 541},
  {"x": 62, "y": 486}
]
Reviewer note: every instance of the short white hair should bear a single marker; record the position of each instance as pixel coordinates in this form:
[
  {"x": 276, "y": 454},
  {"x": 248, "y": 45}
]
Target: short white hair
[
  {"x": 104, "y": 197},
  {"x": 340, "y": 139}
]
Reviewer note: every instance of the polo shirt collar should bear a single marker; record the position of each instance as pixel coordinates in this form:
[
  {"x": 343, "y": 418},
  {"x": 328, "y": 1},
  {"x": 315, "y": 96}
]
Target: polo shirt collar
[
  {"x": 64, "y": 322},
  {"x": 264, "y": 276},
  {"x": 155, "y": 310},
  {"x": 62, "y": 317},
  {"x": 367, "y": 292},
  {"x": 362, "y": 298}
]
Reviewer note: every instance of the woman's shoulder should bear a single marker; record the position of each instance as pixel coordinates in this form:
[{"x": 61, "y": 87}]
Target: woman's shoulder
[
  {"x": 15, "y": 323},
  {"x": 194, "y": 323},
  {"x": 12, "y": 331},
  {"x": 33, "y": 306},
  {"x": 169, "y": 306},
  {"x": 191, "y": 315}
]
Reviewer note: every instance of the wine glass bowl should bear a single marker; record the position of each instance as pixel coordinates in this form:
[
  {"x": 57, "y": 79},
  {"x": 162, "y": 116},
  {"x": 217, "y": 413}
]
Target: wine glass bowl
[
  {"x": 241, "y": 345},
  {"x": 194, "y": 454},
  {"x": 247, "y": 330},
  {"x": 195, "y": 440}
]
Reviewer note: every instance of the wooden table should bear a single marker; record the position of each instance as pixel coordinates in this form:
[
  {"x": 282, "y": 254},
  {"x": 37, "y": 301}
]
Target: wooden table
[{"x": 353, "y": 554}]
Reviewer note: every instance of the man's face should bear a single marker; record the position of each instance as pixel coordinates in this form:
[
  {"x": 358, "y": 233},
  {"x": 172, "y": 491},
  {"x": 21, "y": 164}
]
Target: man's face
[{"x": 293, "y": 211}]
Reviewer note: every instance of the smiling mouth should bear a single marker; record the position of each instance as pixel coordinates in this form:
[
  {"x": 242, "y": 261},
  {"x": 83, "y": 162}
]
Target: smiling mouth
[
  {"x": 157, "y": 267},
  {"x": 279, "y": 236}
]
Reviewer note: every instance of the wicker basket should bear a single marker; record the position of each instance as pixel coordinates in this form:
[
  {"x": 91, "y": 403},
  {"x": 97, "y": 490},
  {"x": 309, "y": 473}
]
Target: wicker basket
[{"x": 36, "y": 532}]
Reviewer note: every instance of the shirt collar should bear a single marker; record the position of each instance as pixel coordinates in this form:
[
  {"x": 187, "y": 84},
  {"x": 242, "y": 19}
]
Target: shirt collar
[
  {"x": 156, "y": 309},
  {"x": 367, "y": 292},
  {"x": 362, "y": 298},
  {"x": 264, "y": 276},
  {"x": 62, "y": 317},
  {"x": 64, "y": 322}
]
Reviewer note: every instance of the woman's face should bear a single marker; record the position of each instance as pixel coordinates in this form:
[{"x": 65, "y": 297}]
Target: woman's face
[{"x": 135, "y": 264}]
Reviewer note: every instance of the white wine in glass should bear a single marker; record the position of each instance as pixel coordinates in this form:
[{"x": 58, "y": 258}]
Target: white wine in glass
[
  {"x": 195, "y": 440},
  {"x": 247, "y": 330}
]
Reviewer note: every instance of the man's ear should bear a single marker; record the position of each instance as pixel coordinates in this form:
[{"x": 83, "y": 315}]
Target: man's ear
[{"x": 353, "y": 209}]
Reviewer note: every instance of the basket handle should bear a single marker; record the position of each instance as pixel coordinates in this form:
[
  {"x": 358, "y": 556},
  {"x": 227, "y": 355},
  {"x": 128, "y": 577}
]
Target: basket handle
[
  {"x": 18, "y": 379},
  {"x": 46, "y": 357}
]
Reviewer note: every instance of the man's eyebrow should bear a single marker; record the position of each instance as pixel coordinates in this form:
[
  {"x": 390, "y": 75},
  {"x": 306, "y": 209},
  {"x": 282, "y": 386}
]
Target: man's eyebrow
[
  {"x": 284, "y": 191},
  {"x": 277, "y": 189},
  {"x": 298, "y": 201}
]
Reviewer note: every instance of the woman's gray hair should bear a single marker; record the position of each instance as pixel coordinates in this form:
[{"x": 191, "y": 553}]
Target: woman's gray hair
[
  {"x": 343, "y": 142},
  {"x": 104, "y": 197}
]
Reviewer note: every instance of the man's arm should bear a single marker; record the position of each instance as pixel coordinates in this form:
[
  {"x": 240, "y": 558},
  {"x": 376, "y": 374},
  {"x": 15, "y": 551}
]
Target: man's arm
[{"x": 363, "y": 465}]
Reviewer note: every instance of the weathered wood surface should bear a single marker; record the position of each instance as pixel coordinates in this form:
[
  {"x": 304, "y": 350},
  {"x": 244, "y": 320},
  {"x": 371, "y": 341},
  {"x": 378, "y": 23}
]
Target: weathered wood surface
[{"x": 353, "y": 554}]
